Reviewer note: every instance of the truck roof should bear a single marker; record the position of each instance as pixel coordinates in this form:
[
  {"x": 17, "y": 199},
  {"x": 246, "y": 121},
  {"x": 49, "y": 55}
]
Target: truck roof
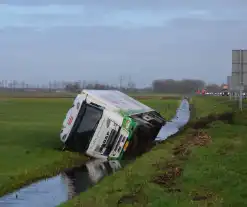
[{"x": 119, "y": 101}]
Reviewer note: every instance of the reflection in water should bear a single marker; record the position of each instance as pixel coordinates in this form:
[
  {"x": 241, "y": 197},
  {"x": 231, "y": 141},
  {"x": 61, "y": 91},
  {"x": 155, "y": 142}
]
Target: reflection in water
[
  {"x": 81, "y": 178},
  {"x": 53, "y": 191},
  {"x": 56, "y": 190}
]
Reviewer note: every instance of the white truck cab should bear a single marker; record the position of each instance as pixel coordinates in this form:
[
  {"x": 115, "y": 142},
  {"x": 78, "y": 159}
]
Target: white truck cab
[{"x": 106, "y": 123}]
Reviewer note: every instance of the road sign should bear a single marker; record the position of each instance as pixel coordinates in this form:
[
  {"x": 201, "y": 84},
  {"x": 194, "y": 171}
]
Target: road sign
[
  {"x": 239, "y": 73},
  {"x": 235, "y": 81},
  {"x": 239, "y": 66}
]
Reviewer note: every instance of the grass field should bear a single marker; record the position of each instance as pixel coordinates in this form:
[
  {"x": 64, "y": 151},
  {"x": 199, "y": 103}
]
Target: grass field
[
  {"x": 210, "y": 105},
  {"x": 29, "y": 144},
  {"x": 65, "y": 94},
  {"x": 199, "y": 167},
  {"x": 29, "y": 140},
  {"x": 37, "y": 94}
]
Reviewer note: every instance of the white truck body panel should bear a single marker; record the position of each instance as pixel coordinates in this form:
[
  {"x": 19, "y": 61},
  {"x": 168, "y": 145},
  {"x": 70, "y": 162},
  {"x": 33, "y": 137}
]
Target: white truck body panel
[
  {"x": 117, "y": 101},
  {"x": 113, "y": 101}
]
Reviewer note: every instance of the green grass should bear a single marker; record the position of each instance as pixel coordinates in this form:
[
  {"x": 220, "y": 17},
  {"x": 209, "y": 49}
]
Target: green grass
[
  {"x": 216, "y": 170},
  {"x": 143, "y": 94},
  {"x": 30, "y": 138},
  {"x": 30, "y": 141},
  {"x": 33, "y": 94},
  {"x": 210, "y": 105},
  {"x": 66, "y": 94},
  {"x": 166, "y": 107}
]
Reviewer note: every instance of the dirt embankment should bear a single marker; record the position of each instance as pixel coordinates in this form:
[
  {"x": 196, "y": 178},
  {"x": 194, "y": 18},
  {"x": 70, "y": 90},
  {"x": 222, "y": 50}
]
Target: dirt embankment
[
  {"x": 173, "y": 168},
  {"x": 170, "y": 171}
]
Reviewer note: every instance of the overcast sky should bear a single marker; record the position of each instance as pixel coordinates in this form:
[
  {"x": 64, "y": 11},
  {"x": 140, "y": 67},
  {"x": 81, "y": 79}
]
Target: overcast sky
[{"x": 42, "y": 40}]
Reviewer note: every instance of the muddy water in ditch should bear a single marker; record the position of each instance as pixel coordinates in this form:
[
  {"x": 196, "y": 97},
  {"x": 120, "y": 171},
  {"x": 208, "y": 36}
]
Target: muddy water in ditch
[{"x": 56, "y": 190}]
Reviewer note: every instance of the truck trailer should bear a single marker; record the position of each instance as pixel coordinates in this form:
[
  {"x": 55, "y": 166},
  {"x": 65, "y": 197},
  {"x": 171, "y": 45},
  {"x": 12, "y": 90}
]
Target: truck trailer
[{"x": 108, "y": 124}]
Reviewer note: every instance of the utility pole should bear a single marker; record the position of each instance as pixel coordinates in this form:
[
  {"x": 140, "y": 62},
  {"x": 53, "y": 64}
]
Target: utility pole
[
  {"x": 129, "y": 83},
  {"x": 121, "y": 82}
]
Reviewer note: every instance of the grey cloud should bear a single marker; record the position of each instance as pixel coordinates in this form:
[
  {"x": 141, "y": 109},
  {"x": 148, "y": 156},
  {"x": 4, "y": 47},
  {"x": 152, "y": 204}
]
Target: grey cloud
[
  {"x": 90, "y": 53},
  {"x": 102, "y": 53},
  {"x": 220, "y": 30},
  {"x": 184, "y": 48}
]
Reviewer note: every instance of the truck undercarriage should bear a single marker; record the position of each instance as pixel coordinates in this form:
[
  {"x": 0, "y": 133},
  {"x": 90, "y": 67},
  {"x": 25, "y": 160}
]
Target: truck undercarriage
[{"x": 145, "y": 133}]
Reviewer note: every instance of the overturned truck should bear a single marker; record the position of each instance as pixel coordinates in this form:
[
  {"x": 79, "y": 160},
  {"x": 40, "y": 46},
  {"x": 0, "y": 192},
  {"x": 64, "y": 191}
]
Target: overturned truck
[{"x": 108, "y": 124}]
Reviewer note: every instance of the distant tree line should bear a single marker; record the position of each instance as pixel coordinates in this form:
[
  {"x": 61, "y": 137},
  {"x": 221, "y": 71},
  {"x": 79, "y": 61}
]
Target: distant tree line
[
  {"x": 161, "y": 86},
  {"x": 185, "y": 86},
  {"x": 177, "y": 86},
  {"x": 76, "y": 87}
]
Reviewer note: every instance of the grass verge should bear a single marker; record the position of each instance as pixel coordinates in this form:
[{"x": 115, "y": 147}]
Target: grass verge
[
  {"x": 204, "y": 106},
  {"x": 29, "y": 144}
]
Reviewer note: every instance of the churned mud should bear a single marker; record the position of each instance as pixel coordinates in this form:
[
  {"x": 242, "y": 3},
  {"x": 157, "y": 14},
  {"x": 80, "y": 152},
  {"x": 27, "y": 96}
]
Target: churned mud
[{"x": 173, "y": 169}]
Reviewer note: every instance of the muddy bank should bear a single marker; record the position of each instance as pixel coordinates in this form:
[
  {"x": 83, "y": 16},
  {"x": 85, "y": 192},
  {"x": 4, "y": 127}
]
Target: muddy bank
[
  {"x": 66, "y": 185},
  {"x": 173, "y": 169}
]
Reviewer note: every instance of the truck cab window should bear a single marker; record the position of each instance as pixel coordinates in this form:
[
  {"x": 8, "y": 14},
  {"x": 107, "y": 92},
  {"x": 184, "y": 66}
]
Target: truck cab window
[
  {"x": 87, "y": 124},
  {"x": 90, "y": 119}
]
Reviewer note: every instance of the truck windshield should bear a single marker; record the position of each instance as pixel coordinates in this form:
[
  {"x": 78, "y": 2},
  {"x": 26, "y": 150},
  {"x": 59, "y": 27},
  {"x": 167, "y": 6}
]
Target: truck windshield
[
  {"x": 87, "y": 126},
  {"x": 91, "y": 117}
]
